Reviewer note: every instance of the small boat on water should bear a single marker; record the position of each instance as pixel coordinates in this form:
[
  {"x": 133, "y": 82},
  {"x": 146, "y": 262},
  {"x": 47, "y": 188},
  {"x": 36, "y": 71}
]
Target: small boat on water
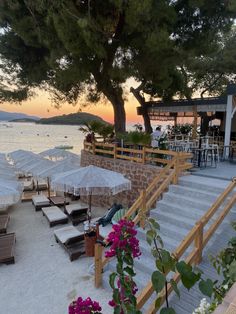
[{"x": 64, "y": 147}]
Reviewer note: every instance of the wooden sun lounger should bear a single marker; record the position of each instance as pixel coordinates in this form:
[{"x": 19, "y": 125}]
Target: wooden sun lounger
[
  {"x": 58, "y": 201},
  {"x": 54, "y": 215},
  {"x": 77, "y": 213},
  {"x": 72, "y": 240},
  {"x": 40, "y": 201},
  {"x": 4, "y": 220},
  {"x": 7, "y": 243}
]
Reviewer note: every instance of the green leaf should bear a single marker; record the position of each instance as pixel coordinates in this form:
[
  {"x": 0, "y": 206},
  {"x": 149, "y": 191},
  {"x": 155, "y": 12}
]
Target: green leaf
[
  {"x": 167, "y": 260},
  {"x": 150, "y": 236},
  {"x": 128, "y": 260},
  {"x": 158, "y": 303},
  {"x": 232, "y": 271},
  {"x": 183, "y": 267},
  {"x": 117, "y": 309},
  {"x": 112, "y": 280},
  {"x": 167, "y": 311},
  {"x": 116, "y": 296},
  {"x": 130, "y": 271},
  {"x": 158, "y": 281},
  {"x": 206, "y": 287},
  {"x": 154, "y": 223},
  {"x": 175, "y": 287}
]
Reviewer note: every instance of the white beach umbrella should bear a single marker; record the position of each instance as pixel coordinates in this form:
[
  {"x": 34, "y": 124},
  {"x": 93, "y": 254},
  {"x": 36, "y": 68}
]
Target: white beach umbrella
[
  {"x": 10, "y": 192},
  {"x": 91, "y": 180},
  {"x": 56, "y": 153},
  {"x": 58, "y": 167},
  {"x": 37, "y": 165}
]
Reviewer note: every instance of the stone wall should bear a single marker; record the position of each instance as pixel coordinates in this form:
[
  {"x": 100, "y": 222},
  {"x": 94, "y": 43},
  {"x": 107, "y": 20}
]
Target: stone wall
[{"x": 140, "y": 175}]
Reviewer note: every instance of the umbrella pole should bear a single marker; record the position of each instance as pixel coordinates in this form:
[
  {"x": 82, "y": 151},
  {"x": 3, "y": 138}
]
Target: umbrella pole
[
  {"x": 49, "y": 194},
  {"x": 64, "y": 196},
  {"x": 90, "y": 202},
  {"x": 37, "y": 184}
]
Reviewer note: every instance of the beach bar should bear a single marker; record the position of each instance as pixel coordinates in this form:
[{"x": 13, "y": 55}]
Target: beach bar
[{"x": 222, "y": 108}]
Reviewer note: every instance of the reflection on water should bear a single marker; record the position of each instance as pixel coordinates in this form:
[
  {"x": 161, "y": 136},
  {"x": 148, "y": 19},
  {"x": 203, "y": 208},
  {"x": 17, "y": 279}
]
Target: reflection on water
[{"x": 38, "y": 137}]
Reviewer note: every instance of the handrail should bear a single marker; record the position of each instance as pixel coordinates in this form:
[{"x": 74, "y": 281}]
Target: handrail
[
  {"x": 145, "y": 155},
  {"x": 143, "y": 203},
  {"x": 200, "y": 239}
]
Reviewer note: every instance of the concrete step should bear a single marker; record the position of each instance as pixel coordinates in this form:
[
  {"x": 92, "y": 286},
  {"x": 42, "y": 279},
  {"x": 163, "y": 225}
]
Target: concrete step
[
  {"x": 183, "y": 200},
  {"x": 193, "y": 193},
  {"x": 176, "y": 219},
  {"x": 203, "y": 184},
  {"x": 180, "y": 210}
]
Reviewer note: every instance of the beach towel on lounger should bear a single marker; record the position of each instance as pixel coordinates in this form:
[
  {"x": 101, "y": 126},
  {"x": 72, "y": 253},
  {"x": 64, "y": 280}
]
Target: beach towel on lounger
[{"x": 105, "y": 220}]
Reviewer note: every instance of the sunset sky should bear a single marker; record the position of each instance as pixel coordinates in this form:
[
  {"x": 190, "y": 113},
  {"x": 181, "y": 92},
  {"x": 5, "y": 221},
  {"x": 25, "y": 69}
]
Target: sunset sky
[{"x": 42, "y": 106}]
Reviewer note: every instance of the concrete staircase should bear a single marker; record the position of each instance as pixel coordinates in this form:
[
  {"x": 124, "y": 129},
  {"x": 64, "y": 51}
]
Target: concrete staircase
[{"x": 177, "y": 213}]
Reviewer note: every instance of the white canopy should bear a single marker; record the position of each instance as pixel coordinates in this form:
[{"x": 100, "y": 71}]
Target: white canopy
[
  {"x": 91, "y": 180},
  {"x": 56, "y": 153},
  {"x": 58, "y": 167},
  {"x": 10, "y": 192}
]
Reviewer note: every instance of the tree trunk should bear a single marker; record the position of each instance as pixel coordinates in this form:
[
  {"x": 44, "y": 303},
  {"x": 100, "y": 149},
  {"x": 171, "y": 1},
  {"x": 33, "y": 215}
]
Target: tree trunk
[
  {"x": 114, "y": 95},
  {"x": 141, "y": 100},
  {"x": 204, "y": 123}
]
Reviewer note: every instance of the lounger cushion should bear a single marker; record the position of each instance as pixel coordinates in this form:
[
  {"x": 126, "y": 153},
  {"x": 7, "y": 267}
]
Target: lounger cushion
[
  {"x": 28, "y": 185},
  {"x": 39, "y": 200},
  {"x": 75, "y": 207},
  {"x": 67, "y": 233},
  {"x": 53, "y": 213}
]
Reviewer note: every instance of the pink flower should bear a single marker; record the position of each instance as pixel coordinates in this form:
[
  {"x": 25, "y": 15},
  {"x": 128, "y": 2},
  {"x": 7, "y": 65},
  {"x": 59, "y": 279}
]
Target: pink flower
[
  {"x": 86, "y": 306},
  {"x": 123, "y": 239}
]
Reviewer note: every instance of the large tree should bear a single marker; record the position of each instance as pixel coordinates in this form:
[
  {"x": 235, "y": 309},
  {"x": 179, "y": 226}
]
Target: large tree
[{"x": 91, "y": 47}]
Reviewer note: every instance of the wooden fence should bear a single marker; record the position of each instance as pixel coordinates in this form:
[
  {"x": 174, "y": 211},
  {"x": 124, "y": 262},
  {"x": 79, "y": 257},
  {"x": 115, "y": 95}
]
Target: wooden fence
[
  {"x": 199, "y": 238},
  {"x": 145, "y": 155},
  {"x": 138, "y": 211}
]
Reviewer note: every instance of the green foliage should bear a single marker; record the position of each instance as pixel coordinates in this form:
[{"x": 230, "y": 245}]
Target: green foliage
[
  {"x": 136, "y": 138},
  {"x": 185, "y": 129},
  {"x": 72, "y": 48},
  {"x": 225, "y": 264},
  {"x": 165, "y": 263},
  {"x": 100, "y": 128}
]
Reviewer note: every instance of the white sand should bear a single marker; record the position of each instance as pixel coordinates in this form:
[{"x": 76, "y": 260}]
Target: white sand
[{"x": 43, "y": 280}]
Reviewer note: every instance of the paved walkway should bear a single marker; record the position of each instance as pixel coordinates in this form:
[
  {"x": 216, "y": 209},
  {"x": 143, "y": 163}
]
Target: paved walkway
[{"x": 224, "y": 170}]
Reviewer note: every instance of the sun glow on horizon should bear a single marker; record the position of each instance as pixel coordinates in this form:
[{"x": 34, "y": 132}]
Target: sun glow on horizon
[{"x": 42, "y": 106}]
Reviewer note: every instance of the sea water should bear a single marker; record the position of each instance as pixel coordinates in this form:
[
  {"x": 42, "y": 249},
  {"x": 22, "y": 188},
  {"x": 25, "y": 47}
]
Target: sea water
[{"x": 38, "y": 137}]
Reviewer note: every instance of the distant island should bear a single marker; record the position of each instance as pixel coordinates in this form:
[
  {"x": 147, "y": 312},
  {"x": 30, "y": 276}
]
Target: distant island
[
  {"x": 71, "y": 119},
  {"x": 11, "y": 116},
  {"x": 24, "y": 120}
]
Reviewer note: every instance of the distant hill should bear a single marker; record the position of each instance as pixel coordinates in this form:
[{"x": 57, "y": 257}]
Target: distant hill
[
  {"x": 24, "y": 120},
  {"x": 9, "y": 116},
  {"x": 71, "y": 119}
]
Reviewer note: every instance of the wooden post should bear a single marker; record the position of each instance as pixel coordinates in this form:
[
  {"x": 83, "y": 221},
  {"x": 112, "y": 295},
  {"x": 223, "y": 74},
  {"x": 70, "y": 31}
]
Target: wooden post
[
  {"x": 176, "y": 169},
  {"x": 93, "y": 148},
  {"x": 48, "y": 181},
  {"x": 143, "y": 209},
  {"x": 115, "y": 151},
  {"x": 98, "y": 265},
  {"x": 143, "y": 155},
  {"x": 195, "y": 123},
  {"x": 199, "y": 241}
]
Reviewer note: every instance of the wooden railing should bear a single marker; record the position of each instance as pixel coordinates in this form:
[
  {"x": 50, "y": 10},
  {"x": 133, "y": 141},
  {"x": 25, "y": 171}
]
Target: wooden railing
[
  {"x": 199, "y": 238},
  {"x": 138, "y": 211},
  {"x": 145, "y": 155}
]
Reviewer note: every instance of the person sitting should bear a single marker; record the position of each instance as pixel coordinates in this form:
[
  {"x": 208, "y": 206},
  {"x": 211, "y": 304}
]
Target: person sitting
[
  {"x": 156, "y": 135},
  {"x": 106, "y": 219}
]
